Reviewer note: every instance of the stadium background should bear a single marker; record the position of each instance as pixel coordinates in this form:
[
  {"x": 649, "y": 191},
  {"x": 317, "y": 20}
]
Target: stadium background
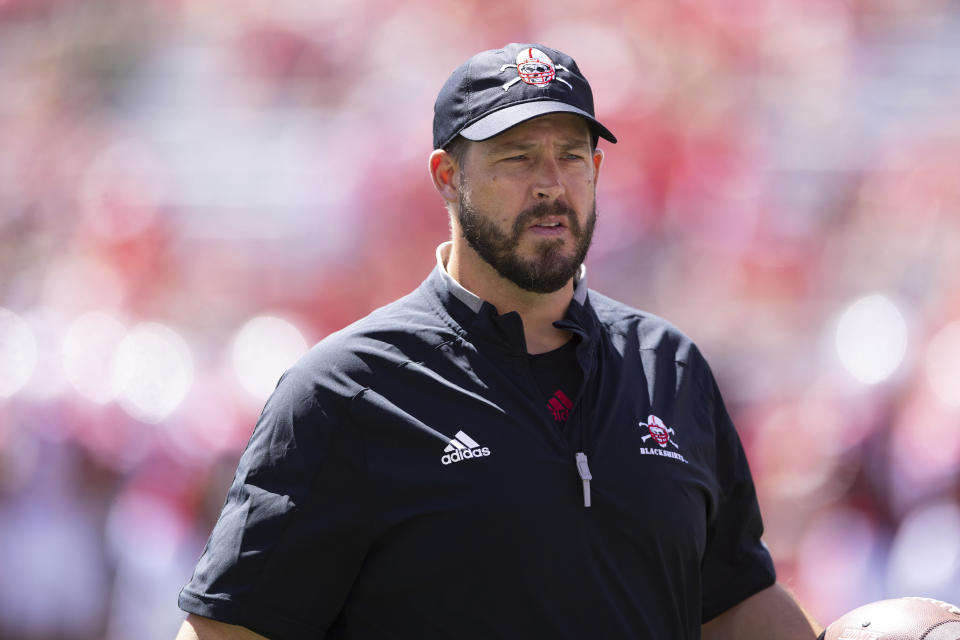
[{"x": 193, "y": 192}]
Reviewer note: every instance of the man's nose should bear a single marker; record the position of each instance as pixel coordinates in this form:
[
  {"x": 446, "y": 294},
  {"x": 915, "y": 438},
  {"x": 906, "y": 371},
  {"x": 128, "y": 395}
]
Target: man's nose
[{"x": 548, "y": 184}]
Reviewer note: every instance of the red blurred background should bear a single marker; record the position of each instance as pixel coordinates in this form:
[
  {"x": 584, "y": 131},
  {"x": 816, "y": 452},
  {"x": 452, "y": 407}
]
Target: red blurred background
[{"x": 193, "y": 192}]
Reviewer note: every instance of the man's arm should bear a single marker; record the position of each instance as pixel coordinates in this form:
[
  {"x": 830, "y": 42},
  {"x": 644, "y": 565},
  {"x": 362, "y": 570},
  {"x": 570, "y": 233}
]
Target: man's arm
[
  {"x": 200, "y": 628},
  {"x": 771, "y": 614}
]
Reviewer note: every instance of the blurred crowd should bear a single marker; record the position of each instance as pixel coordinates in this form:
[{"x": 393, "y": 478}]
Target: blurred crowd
[{"x": 193, "y": 192}]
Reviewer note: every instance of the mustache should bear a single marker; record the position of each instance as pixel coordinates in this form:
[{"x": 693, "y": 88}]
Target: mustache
[{"x": 544, "y": 209}]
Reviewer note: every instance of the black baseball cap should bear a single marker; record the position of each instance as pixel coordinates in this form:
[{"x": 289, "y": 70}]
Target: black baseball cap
[{"x": 498, "y": 89}]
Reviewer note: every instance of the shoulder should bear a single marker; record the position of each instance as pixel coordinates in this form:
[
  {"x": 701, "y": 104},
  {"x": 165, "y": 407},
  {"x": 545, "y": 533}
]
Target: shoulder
[
  {"x": 313, "y": 402},
  {"x": 643, "y": 330},
  {"x": 346, "y": 361}
]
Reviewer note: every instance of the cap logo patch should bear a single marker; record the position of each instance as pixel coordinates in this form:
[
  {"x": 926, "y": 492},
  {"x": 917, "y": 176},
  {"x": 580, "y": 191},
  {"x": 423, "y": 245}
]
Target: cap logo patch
[{"x": 535, "y": 68}]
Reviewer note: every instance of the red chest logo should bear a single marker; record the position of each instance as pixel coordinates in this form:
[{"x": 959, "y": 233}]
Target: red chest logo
[{"x": 560, "y": 406}]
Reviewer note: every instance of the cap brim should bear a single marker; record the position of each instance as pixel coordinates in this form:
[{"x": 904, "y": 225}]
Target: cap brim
[{"x": 503, "y": 119}]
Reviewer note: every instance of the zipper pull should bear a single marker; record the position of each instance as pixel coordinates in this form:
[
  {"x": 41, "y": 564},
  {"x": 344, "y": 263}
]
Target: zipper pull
[{"x": 584, "y": 470}]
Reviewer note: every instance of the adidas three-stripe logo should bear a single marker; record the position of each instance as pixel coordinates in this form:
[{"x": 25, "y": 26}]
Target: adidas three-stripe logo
[{"x": 462, "y": 447}]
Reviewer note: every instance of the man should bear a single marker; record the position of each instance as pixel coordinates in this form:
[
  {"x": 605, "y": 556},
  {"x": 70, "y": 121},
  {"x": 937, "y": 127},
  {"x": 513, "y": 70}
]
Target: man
[{"x": 501, "y": 453}]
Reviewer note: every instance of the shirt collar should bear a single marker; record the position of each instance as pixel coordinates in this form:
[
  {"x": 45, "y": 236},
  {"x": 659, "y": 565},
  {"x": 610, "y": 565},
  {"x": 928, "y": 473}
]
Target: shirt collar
[{"x": 474, "y": 302}]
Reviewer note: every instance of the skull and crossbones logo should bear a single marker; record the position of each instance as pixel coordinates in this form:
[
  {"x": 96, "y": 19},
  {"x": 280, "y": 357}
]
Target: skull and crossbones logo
[
  {"x": 658, "y": 431},
  {"x": 536, "y": 68}
]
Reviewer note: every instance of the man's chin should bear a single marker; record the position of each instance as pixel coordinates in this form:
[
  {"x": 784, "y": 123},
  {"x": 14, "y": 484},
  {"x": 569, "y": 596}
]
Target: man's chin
[{"x": 540, "y": 277}]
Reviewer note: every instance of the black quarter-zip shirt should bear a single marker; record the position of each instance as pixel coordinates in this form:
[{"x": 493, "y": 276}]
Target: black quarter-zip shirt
[{"x": 405, "y": 481}]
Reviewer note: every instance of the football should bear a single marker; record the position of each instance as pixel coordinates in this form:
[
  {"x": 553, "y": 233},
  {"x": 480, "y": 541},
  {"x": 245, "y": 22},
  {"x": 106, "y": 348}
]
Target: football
[{"x": 898, "y": 619}]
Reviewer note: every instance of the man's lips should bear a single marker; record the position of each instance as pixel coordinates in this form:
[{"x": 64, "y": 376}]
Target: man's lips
[
  {"x": 549, "y": 227},
  {"x": 554, "y": 222}
]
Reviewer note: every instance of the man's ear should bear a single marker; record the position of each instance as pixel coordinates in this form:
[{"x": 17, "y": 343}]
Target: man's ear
[
  {"x": 597, "y": 161},
  {"x": 445, "y": 175}
]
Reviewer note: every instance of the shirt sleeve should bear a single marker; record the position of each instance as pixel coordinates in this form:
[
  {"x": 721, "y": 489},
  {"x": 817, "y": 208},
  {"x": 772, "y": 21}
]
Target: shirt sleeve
[
  {"x": 294, "y": 529},
  {"x": 736, "y": 563}
]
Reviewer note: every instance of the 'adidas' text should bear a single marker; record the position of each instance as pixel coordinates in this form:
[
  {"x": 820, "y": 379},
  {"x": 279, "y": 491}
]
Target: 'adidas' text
[
  {"x": 459, "y": 455},
  {"x": 462, "y": 447}
]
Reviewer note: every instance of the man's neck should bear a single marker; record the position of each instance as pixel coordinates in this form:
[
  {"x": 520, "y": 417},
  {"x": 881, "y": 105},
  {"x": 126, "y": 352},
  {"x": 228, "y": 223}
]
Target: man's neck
[{"x": 538, "y": 311}]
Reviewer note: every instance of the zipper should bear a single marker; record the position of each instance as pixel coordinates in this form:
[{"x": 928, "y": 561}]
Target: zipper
[
  {"x": 583, "y": 467},
  {"x": 585, "y": 476}
]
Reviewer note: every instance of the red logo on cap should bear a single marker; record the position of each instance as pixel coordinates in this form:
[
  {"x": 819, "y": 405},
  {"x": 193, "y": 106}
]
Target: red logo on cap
[{"x": 535, "y": 68}]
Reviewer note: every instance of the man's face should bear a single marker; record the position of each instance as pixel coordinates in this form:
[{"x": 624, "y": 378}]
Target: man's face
[{"x": 528, "y": 200}]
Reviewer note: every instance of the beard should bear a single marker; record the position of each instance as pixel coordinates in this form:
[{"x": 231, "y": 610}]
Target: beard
[{"x": 549, "y": 269}]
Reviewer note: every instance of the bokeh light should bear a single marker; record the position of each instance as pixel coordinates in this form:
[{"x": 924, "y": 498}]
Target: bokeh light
[
  {"x": 89, "y": 353},
  {"x": 49, "y": 325},
  {"x": 18, "y": 353},
  {"x": 154, "y": 370},
  {"x": 871, "y": 338},
  {"x": 925, "y": 556},
  {"x": 263, "y": 349}
]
